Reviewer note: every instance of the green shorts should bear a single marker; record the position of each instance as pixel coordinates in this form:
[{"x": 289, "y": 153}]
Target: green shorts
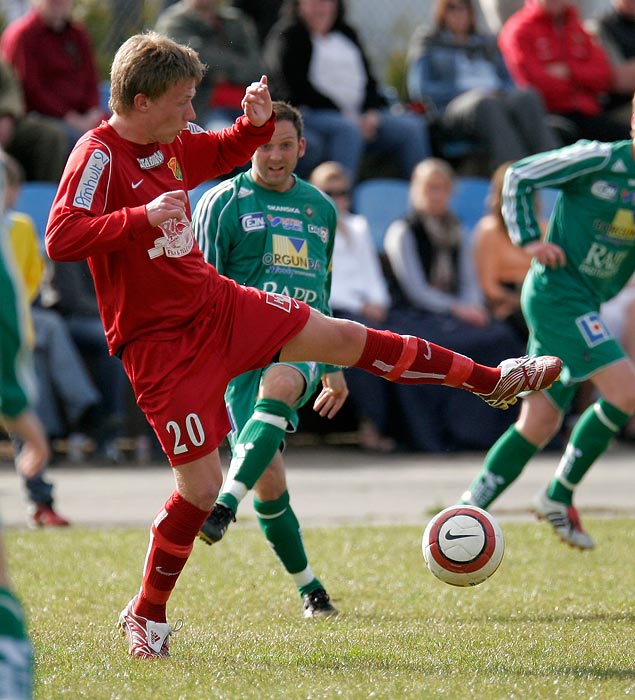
[
  {"x": 572, "y": 330},
  {"x": 242, "y": 393}
]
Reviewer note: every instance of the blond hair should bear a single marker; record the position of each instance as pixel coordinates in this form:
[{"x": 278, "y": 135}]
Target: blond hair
[
  {"x": 150, "y": 64},
  {"x": 422, "y": 171},
  {"x": 328, "y": 171}
]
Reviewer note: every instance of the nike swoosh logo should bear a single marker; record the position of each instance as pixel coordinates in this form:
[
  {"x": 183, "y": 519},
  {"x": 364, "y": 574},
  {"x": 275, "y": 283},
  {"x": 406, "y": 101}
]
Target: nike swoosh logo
[
  {"x": 451, "y": 536},
  {"x": 136, "y": 184},
  {"x": 159, "y": 570}
]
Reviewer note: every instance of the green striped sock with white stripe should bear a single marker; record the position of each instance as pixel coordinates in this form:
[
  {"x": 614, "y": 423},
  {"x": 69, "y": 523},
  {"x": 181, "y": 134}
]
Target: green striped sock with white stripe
[
  {"x": 255, "y": 447},
  {"x": 282, "y": 530},
  {"x": 590, "y": 437}
]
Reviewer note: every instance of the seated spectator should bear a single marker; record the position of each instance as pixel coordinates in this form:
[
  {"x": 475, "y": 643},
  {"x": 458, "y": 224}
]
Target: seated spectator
[
  {"x": 227, "y": 42},
  {"x": 66, "y": 393},
  {"x": 615, "y": 30},
  {"x": 545, "y": 45},
  {"x": 460, "y": 73},
  {"x": 37, "y": 143},
  {"x": 436, "y": 291},
  {"x": 70, "y": 291},
  {"x": 431, "y": 265},
  {"x": 315, "y": 60},
  {"x": 358, "y": 292},
  {"x": 53, "y": 58},
  {"x": 501, "y": 267}
]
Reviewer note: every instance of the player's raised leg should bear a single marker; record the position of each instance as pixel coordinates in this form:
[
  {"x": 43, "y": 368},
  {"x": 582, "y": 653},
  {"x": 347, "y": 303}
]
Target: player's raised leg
[{"x": 409, "y": 360}]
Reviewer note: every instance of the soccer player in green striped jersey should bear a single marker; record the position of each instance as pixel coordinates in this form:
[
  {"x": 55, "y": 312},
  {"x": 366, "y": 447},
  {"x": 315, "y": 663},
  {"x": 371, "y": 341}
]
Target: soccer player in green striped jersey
[
  {"x": 586, "y": 258},
  {"x": 269, "y": 229}
]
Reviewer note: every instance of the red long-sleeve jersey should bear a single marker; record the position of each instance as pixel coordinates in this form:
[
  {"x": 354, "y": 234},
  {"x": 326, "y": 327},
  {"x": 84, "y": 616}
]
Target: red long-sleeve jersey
[
  {"x": 530, "y": 42},
  {"x": 148, "y": 280}
]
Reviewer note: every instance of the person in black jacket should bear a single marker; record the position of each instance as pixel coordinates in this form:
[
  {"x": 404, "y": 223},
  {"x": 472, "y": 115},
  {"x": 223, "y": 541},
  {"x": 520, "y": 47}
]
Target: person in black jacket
[{"x": 316, "y": 61}]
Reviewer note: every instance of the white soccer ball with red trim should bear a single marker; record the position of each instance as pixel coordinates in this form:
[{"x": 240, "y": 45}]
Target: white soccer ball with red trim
[{"x": 463, "y": 545}]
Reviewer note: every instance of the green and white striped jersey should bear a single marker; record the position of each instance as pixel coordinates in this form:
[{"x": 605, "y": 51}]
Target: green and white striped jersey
[
  {"x": 280, "y": 242},
  {"x": 592, "y": 221}
]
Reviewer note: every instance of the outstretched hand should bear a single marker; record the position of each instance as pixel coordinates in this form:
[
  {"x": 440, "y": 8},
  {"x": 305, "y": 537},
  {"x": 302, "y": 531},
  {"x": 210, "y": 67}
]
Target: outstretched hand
[
  {"x": 257, "y": 102},
  {"x": 332, "y": 396}
]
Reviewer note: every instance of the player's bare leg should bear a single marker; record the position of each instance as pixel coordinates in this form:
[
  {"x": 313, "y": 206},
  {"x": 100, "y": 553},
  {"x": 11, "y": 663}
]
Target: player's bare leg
[{"x": 411, "y": 360}]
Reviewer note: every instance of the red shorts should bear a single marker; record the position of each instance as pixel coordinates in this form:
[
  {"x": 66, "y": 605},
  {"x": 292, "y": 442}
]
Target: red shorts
[{"x": 180, "y": 383}]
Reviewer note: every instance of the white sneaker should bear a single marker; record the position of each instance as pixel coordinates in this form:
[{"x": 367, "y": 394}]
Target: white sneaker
[
  {"x": 564, "y": 519},
  {"x": 521, "y": 374},
  {"x": 146, "y": 639}
]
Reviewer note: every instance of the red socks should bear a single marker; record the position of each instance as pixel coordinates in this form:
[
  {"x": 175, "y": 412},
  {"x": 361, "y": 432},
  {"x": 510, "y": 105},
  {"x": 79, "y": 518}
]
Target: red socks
[
  {"x": 171, "y": 541},
  {"x": 406, "y": 359}
]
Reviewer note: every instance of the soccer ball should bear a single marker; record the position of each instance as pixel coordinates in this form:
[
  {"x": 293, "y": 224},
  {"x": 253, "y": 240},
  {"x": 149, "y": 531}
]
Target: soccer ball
[{"x": 463, "y": 545}]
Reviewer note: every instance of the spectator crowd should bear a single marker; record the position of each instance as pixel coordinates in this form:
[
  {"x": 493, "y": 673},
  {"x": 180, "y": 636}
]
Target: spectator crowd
[{"x": 475, "y": 100}]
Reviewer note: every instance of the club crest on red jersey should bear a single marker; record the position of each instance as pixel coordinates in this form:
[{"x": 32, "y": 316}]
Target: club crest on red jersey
[
  {"x": 174, "y": 166},
  {"x": 177, "y": 241}
]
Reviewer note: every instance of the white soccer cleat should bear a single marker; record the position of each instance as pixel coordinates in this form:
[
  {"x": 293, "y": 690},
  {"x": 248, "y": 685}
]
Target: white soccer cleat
[
  {"x": 146, "y": 639},
  {"x": 521, "y": 374},
  {"x": 564, "y": 519}
]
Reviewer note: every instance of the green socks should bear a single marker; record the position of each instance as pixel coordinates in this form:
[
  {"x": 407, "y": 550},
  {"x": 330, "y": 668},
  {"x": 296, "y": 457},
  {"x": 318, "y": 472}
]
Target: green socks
[
  {"x": 255, "y": 447},
  {"x": 503, "y": 464},
  {"x": 282, "y": 530},
  {"x": 510, "y": 453},
  {"x": 589, "y": 439}
]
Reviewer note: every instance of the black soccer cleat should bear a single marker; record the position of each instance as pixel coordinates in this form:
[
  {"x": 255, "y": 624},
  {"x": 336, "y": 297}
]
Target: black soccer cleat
[
  {"x": 216, "y": 524},
  {"x": 318, "y": 604}
]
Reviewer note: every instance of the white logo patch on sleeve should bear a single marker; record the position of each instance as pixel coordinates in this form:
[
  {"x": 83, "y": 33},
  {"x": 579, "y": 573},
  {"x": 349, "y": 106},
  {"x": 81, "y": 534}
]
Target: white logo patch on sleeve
[{"x": 89, "y": 180}]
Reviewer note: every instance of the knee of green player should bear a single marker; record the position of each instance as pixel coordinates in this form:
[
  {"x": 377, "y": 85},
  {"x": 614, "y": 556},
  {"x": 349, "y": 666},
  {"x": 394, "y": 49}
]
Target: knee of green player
[{"x": 282, "y": 383}]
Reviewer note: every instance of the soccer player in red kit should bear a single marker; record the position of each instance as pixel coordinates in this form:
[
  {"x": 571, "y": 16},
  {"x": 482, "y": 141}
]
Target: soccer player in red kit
[{"x": 181, "y": 329}]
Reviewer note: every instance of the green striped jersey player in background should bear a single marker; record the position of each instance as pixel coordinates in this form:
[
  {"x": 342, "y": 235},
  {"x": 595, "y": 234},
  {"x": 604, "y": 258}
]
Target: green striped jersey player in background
[
  {"x": 587, "y": 257},
  {"x": 269, "y": 229}
]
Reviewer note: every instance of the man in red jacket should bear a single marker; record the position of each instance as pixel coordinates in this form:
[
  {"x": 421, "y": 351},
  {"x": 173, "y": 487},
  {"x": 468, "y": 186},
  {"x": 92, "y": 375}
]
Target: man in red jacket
[
  {"x": 545, "y": 45},
  {"x": 53, "y": 57}
]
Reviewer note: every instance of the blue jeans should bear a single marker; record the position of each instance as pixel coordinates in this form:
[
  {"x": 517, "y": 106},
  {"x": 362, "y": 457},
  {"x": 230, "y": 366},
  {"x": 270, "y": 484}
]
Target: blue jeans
[
  {"x": 109, "y": 374},
  {"x": 332, "y": 136},
  {"x": 62, "y": 378}
]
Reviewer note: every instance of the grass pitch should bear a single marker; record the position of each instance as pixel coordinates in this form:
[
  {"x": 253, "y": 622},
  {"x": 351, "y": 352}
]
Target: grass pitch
[{"x": 551, "y": 623}]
